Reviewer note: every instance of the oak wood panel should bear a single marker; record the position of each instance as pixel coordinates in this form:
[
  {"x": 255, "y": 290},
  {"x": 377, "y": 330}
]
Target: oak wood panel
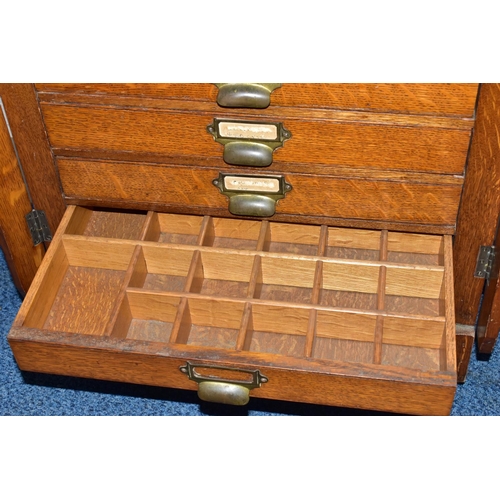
[
  {"x": 114, "y": 225},
  {"x": 277, "y": 167},
  {"x": 387, "y": 148},
  {"x": 135, "y": 275},
  {"x": 22, "y": 257},
  {"x": 47, "y": 279},
  {"x": 439, "y": 99},
  {"x": 93, "y": 294},
  {"x": 414, "y": 305},
  {"x": 189, "y": 91},
  {"x": 343, "y": 350},
  {"x": 45, "y": 287},
  {"x": 171, "y": 134},
  {"x": 102, "y": 254},
  {"x": 447, "y": 295},
  {"x": 34, "y": 150},
  {"x": 465, "y": 335},
  {"x": 273, "y": 113},
  {"x": 480, "y": 207},
  {"x": 289, "y": 345},
  {"x": 184, "y": 189},
  {"x": 413, "y": 308},
  {"x": 411, "y": 357},
  {"x": 222, "y": 212},
  {"x": 383, "y": 388}
]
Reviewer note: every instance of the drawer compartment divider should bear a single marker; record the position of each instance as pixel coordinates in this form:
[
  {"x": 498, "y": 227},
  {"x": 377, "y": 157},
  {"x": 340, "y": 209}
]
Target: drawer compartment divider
[
  {"x": 134, "y": 277},
  {"x": 246, "y": 329},
  {"x": 379, "y": 326}
]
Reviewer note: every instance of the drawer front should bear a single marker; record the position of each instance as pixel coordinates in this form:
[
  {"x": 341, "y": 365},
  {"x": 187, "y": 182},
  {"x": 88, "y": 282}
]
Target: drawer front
[
  {"x": 421, "y": 99},
  {"x": 397, "y": 161},
  {"x": 167, "y": 136},
  {"x": 45, "y": 354},
  {"x": 351, "y": 201},
  {"x": 182, "y": 301}
]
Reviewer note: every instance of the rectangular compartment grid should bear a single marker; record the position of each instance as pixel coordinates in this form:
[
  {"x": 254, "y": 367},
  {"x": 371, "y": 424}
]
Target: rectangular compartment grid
[{"x": 333, "y": 294}]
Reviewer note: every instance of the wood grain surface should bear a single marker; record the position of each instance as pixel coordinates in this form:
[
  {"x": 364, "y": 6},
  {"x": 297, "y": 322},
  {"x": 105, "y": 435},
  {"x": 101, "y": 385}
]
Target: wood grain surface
[
  {"x": 448, "y": 347},
  {"x": 480, "y": 207},
  {"x": 175, "y": 188},
  {"x": 29, "y": 133},
  {"x": 84, "y": 301},
  {"x": 47, "y": 279},
  {"x": 22, "y": 257},
  {"x": 436, "y": 99},
  {"x": 465, "y": 337},
  {"x": 169, "y": 134},
  {"x": 114, "y": 225},
  {"x": 331, "y": 347},
  {"x": 384, "y": 341},
  {"x": 318, "y": 382}
]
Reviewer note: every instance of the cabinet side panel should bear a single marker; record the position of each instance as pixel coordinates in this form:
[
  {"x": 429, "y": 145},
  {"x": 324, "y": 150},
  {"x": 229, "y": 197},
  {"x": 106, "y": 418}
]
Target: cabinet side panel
[
  {"x": 23, "y": 258},
  {"x": 480, "y": 206},
  {"x": 29, "y": 133}
]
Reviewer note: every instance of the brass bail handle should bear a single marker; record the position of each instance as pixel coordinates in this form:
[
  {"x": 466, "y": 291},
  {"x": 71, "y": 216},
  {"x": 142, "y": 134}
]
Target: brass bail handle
[
  {"x": 245, "y": 95},
  {"x": 214, "y": 389}
]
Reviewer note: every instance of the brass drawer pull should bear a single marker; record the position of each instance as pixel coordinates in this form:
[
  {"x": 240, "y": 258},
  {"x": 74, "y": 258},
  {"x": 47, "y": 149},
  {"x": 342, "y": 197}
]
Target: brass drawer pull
[
  {"x": 214, "y": 389},
  {"x": 245, "y": 95},
  {"x": 249, "y": 144},
  {"x": 252, "y": 195},
  {"x": 250, "y": 154}
]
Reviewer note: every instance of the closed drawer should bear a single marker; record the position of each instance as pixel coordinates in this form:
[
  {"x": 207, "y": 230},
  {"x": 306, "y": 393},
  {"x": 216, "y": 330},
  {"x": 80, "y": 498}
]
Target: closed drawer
[
  {"x": 153, "y": 135},
  {"x": 421, "y": 99},
  {"x": 209, "y": 304},
  {"x": 416, "y": 203},
  {"x": 383, "y": 166}
]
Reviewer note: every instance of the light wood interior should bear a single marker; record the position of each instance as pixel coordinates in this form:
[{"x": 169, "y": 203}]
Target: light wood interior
[
  {"x": 106, "y": 224},
  {"x": 80, "y": 288},
  {"x": 316, "y": 292},
  {"x": 292, "y": 238}
]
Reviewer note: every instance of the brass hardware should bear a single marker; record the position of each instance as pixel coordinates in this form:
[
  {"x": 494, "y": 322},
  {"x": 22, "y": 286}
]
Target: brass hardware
[
  {"x": 245, "y": 95},
  {"x": 38, "y": 226},
  {"x": 249, "y": 144},
  {"x": 248, "y": 153},
  {"x": 485, "y": 262},
  {"x": 221, "y": 390},
  {"x": 252, "y": 195}
]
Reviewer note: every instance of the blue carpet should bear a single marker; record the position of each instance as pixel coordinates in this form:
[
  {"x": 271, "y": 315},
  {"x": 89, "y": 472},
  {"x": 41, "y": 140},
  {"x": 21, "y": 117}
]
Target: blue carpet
[{"x": 39, "y": 394}]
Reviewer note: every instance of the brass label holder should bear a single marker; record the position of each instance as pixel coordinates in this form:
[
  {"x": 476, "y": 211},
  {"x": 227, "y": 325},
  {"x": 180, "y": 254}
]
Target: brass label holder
[
  {"x": 250, "y": 144},
  {"x": 214, "y": 389},
  {"x": 252, "y": 195}
]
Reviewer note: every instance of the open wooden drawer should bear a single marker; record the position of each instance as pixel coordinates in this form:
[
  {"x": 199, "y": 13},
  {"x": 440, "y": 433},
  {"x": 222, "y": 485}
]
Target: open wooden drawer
[{"x": 237, "y": 308}]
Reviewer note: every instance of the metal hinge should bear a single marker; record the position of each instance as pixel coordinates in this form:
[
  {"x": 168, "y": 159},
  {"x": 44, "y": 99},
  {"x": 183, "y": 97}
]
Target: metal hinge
[
  {"x": 485, "y": 261},
  {"x": 38, "y": 226}
]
